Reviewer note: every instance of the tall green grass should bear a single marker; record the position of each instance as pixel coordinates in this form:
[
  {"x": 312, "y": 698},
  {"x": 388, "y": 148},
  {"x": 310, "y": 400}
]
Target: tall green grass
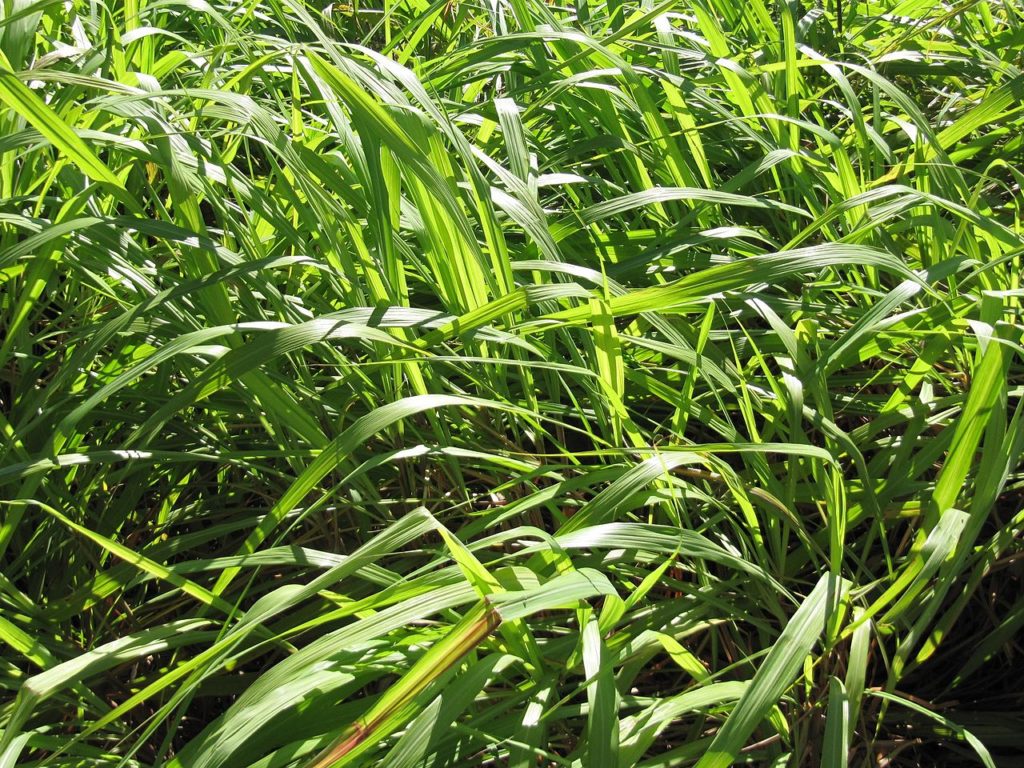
[{"x": 520, "y": 384}]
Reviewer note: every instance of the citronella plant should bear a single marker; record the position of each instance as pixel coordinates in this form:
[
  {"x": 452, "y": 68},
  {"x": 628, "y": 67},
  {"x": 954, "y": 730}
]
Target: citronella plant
[{"x": 511, "y": 383}]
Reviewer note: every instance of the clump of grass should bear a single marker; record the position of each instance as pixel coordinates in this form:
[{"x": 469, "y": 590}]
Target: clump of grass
[{"x": 436, "y": 384}]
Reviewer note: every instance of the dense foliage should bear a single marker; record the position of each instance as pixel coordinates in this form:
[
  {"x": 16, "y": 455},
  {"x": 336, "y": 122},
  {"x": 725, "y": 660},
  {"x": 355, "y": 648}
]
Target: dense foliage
[{"x": 513, "y": 383}]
